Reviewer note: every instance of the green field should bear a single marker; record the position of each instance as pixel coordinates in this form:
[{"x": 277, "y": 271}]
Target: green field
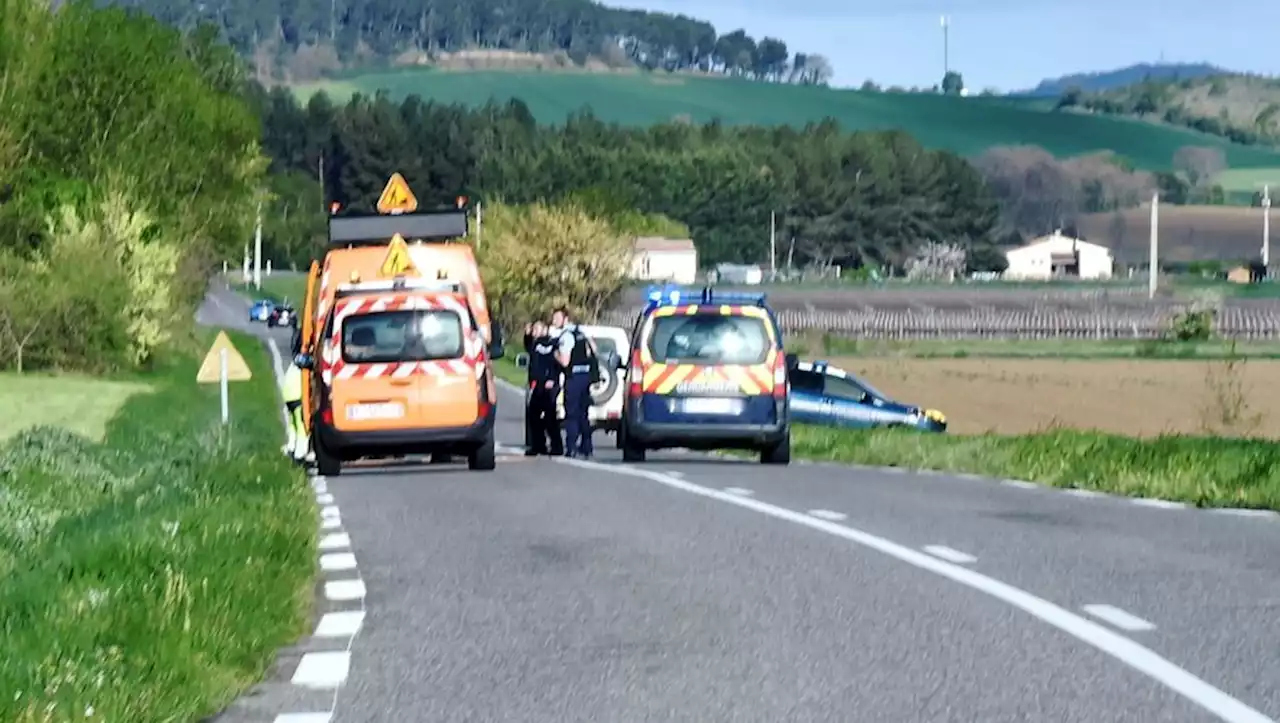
[
  {"x": 965, "y": 125},
  {"x": 1244, "y": 181}
]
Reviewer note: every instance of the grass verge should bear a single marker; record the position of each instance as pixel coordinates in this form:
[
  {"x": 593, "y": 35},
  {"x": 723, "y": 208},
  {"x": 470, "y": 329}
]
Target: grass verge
[
  {"x": 1203, "y": 471},
  {"x": 81, "y": 405},
  {"x": 151, "y": 576}
]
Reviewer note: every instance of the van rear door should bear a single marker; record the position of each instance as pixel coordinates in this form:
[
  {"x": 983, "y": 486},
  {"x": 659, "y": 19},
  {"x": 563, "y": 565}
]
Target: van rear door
[{"x": 402, "y": 364}]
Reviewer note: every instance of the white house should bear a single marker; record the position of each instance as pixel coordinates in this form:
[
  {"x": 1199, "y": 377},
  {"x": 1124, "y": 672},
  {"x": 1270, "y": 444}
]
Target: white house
[
  {"x": 664, "y": 259},
  {"x": 1057, "y": 256}
]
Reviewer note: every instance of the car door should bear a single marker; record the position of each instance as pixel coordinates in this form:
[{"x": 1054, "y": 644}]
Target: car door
[
  {"x": 847, "y": 402},
  {"x": 807, "y": 403}
]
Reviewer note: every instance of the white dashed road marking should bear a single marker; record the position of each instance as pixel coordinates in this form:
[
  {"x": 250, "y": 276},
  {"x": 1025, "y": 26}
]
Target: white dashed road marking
[
  {"x": 1085, "y": 494},
  {"x": 950, "y": 555},
  {"x": 324, "y": 499},
  {"x": 335, "y": 541},
  {"x": 304, "y": 718},
  {"x": 323, "y": 670},
  {"x": 343, "y": 590},
  {"x": 335, "y": 561},
  {"x": 1158, "y": 504},
  {"x": 1118, "y": 618},
  {"x": 337, "y": 625},
  {"x": 740, "y": 491},
  {"x": 828, "y": 515},
  {"x": 1020, "y": 484},
  {"x": 1123, "y": 649}
]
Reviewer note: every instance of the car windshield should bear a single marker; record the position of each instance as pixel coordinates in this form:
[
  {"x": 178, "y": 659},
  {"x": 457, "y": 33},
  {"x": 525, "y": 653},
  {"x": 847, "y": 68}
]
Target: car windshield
[
  {"x": 394, "y": 336},
  {"x": 710, "y": 338}
]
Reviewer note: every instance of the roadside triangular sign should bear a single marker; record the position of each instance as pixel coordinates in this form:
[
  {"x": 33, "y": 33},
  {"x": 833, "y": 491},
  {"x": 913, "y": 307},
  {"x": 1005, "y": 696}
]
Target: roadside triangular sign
[
  {"x": 211, "y": 368},
  {"x": 397, "y": 261},
  {"x": 396, "y": 197}
]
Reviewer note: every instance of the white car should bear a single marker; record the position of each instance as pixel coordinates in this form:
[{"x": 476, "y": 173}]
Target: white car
[{"x": 613, "y": 348}]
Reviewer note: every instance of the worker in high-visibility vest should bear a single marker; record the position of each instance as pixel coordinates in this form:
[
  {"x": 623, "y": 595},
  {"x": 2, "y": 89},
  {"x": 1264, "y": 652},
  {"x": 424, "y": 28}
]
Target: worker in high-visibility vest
[{"x": 299, "y": 444}]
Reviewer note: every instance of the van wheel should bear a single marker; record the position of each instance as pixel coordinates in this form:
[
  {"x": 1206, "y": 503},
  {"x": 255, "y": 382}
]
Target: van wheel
[
  {"x": 630, "y": 451},
  {"x": 779, "y": 453},
  {"x": 327, "y": 464},
  {"x": 483, "y": 458}
]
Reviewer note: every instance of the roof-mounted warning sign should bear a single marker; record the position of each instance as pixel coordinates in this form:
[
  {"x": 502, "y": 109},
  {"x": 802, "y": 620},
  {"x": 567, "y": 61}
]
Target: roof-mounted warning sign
[
  {"x": 396, "y": 197},
  {"x": 397, "y": 261}
]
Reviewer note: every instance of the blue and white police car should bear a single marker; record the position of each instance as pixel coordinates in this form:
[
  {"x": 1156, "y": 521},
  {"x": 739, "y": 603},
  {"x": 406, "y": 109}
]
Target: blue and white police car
[{"x": 825, "y": 395}]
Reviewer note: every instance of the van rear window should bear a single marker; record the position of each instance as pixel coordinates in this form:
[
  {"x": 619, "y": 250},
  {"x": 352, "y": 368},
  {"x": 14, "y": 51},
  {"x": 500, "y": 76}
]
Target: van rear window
[
  {"x": 407, "y": 335},
  {"x": 709, "y": 338}
]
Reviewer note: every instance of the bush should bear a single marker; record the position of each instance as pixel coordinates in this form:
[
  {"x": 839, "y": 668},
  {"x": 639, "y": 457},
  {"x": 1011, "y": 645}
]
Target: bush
[
  {"x": 1205, "y": 471},
  {"x": 152, "y": 576},
  {"x": 536, "y": 257}
]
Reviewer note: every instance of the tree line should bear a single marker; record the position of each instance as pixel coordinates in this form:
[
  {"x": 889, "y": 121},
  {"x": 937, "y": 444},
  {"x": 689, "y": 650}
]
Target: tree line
[
  {"x": 129, "y": 162},
  {"x": 835, "y": 196},
  {"x": 365, "y": 32}
]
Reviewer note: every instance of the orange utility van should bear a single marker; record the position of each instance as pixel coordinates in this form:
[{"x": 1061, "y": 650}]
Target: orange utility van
[{"x": 400, "y": 342}]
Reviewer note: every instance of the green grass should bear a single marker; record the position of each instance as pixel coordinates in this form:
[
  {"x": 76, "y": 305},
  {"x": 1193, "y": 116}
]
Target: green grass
[
  {"x": 1248, "y": 180},
  {"x": 965, "y": 125},
  {"x": 278, "y": 289},
  {"x": 151, "y": 576},
  {"x": 81, "y": 405},
  {"x": 1203, "y": 471}
]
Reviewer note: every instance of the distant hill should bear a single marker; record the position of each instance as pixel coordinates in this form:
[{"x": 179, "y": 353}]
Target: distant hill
[
  {"x": 1120, "y": 78},
  {"x": 965, "y": 125}
]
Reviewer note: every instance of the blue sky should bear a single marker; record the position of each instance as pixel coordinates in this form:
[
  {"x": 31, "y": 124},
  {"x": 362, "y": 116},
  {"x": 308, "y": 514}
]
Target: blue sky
[{"x": 1005, "y": 44}]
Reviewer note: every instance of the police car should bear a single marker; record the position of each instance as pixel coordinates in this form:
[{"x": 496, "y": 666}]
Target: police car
[
  {"x": 707, "y": 371},
  {"x": 825, "y": 395}
]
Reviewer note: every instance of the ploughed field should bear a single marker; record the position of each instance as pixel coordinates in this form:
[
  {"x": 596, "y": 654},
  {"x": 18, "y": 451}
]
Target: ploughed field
[
  {"x": 1131, "y": 397},
  {"x": 1100, "y": 312}
]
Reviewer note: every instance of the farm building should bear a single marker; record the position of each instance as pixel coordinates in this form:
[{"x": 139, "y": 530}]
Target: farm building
[
  {"x": 664, "y": 259},
  {"x": 1058, "y": 256}
]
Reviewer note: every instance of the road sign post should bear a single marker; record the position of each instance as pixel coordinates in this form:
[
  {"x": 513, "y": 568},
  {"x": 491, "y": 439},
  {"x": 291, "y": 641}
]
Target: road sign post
[{"x": 222, "y": 365}]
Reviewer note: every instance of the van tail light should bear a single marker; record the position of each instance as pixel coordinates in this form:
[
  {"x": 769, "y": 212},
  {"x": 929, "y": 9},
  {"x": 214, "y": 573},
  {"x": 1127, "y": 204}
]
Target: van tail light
[
  {"x": 326, "y": 415},
  {"x": 483, "y": 404},
  {"x": 635, "y": 373},
  {"x": 780, "y": 378}
]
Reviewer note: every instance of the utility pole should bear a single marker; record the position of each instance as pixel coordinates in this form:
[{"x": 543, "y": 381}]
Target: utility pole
[
  {"x": 1155, "y": 245},
  {"x": 479, "y": 224},
  {"x": 324, "y": 208},
  {"x": 773, "y": 246},
  {"x": 1266, "y": 229},
  {"x": 257, "y": 250},
  {"x": 946, "y": 46}
]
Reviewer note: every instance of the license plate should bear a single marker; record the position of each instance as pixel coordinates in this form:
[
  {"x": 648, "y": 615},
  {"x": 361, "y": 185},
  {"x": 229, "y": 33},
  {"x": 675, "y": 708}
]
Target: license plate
[
  {"x": 711, "y": 405},
  {"x": 364, "y": 412}
]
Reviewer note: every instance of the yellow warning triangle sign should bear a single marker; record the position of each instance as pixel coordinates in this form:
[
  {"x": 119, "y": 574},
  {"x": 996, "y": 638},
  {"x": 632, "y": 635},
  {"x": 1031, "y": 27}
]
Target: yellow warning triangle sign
[
  {"x": 397, "y": 261},
  {"x": 211, "y": 368},
  {"x": 396, "y": 197}
]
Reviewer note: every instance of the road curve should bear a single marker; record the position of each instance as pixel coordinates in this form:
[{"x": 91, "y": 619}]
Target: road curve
[{"x": 700, "y": 589}]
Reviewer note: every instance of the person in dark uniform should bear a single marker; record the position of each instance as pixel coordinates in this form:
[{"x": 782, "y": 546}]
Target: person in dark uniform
[
  {"x": 576, "y": 354},
  {"x": 540, "y": 419}
]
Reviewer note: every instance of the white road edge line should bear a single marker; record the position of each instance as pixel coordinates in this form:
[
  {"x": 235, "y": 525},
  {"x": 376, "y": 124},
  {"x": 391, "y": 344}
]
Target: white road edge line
[
  {"x": 322, "y": 670},
  {"x": 341, "y": 624},
  {"x": 336, "y": 561},
  {"x": 1020, "y": 484},
  {"x": 335, "y": 541},
  {"x": 1117, "y": 617},
  {"x": 1158, "y": 504},
  {"x": 950, "y": 554},
  {"x": 740, "y": 491},
  {"x": 303, "y": 718},
  {"x": 1136, "y": 656}
]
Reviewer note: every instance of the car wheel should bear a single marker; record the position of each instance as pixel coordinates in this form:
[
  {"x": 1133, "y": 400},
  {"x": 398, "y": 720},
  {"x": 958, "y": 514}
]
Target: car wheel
[
  {"x": 602, "y": 391},
  {"x": 631, "y": 452},
  {"x": 779, "y": 453}
]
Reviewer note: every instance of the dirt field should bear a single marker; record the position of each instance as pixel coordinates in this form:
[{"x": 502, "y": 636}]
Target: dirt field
[
  {"x": 1140, "y": 398},
  {"x": 1187, "y": 233}
]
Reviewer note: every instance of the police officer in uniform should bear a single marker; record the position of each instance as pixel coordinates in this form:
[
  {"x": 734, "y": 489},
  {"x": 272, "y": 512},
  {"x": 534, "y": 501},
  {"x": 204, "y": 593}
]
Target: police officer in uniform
[
  {"x": 540, "y": 419},
  {"x": 576, "y": 354}
]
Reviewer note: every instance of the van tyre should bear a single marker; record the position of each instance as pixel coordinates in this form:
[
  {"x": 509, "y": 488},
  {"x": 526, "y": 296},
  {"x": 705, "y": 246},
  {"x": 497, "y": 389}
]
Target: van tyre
[
  {"x": 603, "y": 390},
  {"x": 779, "y": 453},
  {"x": 484, "y": 458},
  {"x": 327, "y": 464}
]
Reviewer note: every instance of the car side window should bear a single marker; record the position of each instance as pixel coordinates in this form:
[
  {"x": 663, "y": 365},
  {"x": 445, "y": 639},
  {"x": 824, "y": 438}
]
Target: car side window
[
  {"x": 806, "y": 381},
  {"x": 842, "y": 388}
]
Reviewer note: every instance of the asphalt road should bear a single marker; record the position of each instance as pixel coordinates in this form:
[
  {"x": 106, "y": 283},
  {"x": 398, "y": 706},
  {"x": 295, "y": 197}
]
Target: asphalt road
[{"x": 698, "y": 589}]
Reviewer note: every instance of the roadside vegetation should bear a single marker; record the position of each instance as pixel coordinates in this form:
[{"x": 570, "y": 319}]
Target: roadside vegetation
[
  {"x": 151, "y": 562},
  {"x": 149, "y": 574}
]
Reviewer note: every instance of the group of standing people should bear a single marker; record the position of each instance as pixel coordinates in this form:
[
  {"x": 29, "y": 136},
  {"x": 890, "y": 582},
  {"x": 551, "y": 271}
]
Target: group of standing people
[{"x": 559, "y": 351}]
